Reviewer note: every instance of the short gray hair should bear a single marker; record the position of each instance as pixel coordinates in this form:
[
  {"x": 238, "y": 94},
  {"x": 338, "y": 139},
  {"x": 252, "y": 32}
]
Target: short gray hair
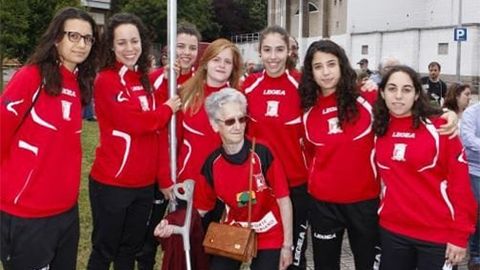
[{"x": 215, "y": 101}]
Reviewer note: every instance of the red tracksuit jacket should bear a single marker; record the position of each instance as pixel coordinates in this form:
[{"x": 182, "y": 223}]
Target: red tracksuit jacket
[
  {"x": 41, "y": 159},
  {"x": 276, "y": 117},
  {"x": 342, "y": 170},
  {"x": 228, "y": 174},
  {"x": 160, "y": 85},
  {"x": 427, "y": 193},
  {"x": 196, "y": 140},
  {"x": 130, "y": 120}
]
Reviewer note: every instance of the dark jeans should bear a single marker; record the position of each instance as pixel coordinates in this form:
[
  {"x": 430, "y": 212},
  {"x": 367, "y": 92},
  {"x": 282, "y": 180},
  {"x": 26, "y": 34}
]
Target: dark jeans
[
  {"x": 329, "y": 222},
  {"x": 40, "y": 243},
  {"x": 120, "y": 217},
  {"x": 88, "y": 113}
]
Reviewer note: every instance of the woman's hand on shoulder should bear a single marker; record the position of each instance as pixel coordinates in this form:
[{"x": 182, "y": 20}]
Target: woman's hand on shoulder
[
  {"x": 369, "y": 86},
  {"x": 451, "y": 126}
]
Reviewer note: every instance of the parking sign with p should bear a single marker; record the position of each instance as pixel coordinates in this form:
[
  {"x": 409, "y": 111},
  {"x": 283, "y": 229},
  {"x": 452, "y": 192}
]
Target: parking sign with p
[{"x": 460, "y": 34}]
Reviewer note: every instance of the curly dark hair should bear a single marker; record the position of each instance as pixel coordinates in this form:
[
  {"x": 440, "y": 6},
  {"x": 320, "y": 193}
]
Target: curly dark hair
[
  {"x": 144, "y": 61},
  {"x": 421, "y": 109},
  {"x": 346, "y": 90},
  {"x": 47, "y": 58}
]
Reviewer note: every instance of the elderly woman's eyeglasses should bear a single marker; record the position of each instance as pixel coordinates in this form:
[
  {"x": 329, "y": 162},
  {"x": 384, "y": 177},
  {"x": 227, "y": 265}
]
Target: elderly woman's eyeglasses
[
  {"x": 75, "y": 37},
  {"x": 231, "y": 121}
]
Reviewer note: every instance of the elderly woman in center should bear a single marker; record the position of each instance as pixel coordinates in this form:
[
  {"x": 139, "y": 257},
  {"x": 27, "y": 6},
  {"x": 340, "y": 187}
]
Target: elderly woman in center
[{"x": 227, "y": 170}]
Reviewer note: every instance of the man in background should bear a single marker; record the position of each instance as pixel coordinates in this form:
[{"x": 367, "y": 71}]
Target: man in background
[
  {"x": 435, "y": 87},
  {"x": 364, "y": 66}
]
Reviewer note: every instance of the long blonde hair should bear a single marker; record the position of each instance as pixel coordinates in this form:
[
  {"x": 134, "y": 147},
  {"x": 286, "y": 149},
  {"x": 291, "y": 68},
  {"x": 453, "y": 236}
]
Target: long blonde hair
[{"x": 193, "y": 94}]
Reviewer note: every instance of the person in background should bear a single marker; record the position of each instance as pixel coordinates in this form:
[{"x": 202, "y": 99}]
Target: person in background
[
  {"x": 274, "y": 108},
  {"x": 433, "y": 85},
  {"x": 188, "y": 38},
  {"x": 364, "y": 66},
  {"x": 427, "y": 210},
  {"x": 248, "y": 69},
  {"x": 292, "y": 59},
  {"x": 88, "y": 113},
  {"x": 470, "y": 135},
  {"x": 164, "y": 56},
  {"x": 385, "y": 65},
  {"x": 130, "y": 118},
  {"x": 362, "y": 78},
  {"x": 41, "y": 155},
  {"x": 458, "y": 98}
]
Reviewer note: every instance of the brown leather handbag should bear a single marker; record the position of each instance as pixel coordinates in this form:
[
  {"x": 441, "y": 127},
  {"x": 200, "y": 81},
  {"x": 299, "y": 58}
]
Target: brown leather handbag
[{"x": 234, "y": 241}]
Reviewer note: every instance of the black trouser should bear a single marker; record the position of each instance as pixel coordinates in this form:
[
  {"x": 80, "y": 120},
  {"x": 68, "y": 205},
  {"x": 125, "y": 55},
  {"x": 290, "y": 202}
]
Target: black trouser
[
  {"x": 301, "y": 203},
  {"x": 40, "y": 243},
  {"x": 146, "y": 257},
  {"x": 329, "y": 221},
  {"x": 403, "y": 253},
  {"x": 266, "y": 259},
  {"x": 120, "y": 217}
]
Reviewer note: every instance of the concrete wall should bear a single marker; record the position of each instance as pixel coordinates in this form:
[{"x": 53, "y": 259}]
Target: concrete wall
[{"x": 381, "y": 15}]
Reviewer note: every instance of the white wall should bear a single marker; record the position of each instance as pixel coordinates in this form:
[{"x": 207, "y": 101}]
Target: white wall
[
  {"x": 249, "y": 50},
  {"x": 381, "y": 15},
  {"x": 417, "y": 48}
]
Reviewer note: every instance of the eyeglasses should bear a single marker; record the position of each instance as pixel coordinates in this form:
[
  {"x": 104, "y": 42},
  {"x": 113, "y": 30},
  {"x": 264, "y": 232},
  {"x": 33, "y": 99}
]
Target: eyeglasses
[
  {"x": 231, "y": 121},
  {"x": 75, "y": 37}
]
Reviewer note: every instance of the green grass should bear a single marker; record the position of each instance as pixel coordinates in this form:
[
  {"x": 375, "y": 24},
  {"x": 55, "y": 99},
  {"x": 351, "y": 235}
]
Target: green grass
[{"x": 89, "y": 142}]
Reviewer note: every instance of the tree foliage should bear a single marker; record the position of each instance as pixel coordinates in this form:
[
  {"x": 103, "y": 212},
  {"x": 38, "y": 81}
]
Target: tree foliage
[
  {"x": 240, "y": 16},
  {"x": 213, "y": 18},
  {"x": 154, "y": 15},
  {"x": 23, "y": 22}
]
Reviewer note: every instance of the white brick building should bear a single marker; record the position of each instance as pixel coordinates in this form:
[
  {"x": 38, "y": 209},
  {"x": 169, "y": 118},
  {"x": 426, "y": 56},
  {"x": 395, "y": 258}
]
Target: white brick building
[{"x": 416, "y": 32}]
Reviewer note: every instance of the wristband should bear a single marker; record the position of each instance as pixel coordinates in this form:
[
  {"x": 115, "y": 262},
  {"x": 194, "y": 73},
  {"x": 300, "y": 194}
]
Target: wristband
[{"x": 288, "y": 247}]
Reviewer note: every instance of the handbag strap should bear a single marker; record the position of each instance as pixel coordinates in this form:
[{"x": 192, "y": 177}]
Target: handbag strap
[{"x": 250, "y": 179}]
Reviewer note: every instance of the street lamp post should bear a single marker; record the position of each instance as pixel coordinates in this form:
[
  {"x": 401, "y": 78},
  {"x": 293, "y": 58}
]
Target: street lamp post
[{"x": 459, "y": 42}]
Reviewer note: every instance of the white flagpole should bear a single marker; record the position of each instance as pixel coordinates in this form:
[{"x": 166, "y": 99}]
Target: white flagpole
[
  {"x": 172, "y": 82},
  {"x": 184, "y": 231}
]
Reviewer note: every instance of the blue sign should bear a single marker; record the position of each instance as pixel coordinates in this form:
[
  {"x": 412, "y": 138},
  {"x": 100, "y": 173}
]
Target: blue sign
[{"x": 460, "y": 34}]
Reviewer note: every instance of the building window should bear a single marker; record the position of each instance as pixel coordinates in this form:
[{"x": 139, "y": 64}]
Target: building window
[
  {"x": 364, "y": 49},
  {"x": 443, "y": 48},
  {"x": 311, "y": 8}
]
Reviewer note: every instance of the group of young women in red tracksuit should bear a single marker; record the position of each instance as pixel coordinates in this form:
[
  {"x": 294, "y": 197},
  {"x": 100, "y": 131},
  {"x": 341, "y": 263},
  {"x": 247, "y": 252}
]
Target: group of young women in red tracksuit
[{"x": 333, "y": 143}]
